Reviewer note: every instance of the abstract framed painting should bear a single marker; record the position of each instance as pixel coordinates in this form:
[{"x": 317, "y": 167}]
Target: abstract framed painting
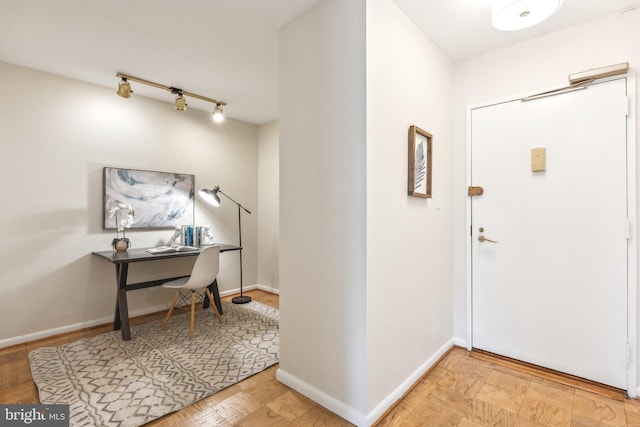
[
  {"x": 419, "y": 176},
  {"x": 159, "y": 199}
]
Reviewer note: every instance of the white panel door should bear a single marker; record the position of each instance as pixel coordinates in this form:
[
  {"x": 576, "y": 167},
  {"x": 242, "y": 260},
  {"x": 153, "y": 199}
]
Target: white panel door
[{"x": 552, "y": 289}]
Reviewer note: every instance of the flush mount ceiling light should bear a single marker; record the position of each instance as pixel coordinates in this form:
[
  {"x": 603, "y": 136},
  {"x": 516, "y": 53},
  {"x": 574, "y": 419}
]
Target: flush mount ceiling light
[
  {"x": 512, "y": 15},
  {"x": 124, "y": 90}
]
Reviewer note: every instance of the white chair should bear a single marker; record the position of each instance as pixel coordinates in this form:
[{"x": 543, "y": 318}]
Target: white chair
[{"x": 205, "y": 271}]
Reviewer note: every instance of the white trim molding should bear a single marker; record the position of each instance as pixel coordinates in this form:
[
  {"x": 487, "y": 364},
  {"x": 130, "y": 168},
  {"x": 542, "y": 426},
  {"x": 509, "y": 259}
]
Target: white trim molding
[
  {"x": 106, "y": 320},
  {"x": 632, "y": 245},
  {"x": 334, "y": 405},
  {"x": 460, "y": 342},
  {"x": 406, "y": 385},
  {"x": 350, "y": 414},
  {"x": 250, "y": 288},
  {"x": 74, "y": 327}
]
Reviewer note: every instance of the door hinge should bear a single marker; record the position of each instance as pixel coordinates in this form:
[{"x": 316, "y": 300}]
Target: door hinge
[
  {"x": 627, "y": 229},
  {"x": 627, "y": 105},
  {"x": 628, "y": 351}
]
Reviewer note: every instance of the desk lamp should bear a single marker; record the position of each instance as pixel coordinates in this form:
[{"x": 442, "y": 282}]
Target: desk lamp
[{"x": 211, "y": 197}]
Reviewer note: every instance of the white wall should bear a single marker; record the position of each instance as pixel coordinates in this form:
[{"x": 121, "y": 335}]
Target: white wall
[
  {"x": 409, "y": 239},
  {"x": 57, "y": 135},
  {"x": 346, "y": 343},
  {"x": 268, "y": 205},
  {"x": 322, "y": 206},
  {"x": 537, "y": 64}
]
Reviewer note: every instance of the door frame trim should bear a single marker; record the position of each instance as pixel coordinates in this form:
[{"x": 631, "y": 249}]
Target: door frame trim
[{"x": 632, "y": 216}]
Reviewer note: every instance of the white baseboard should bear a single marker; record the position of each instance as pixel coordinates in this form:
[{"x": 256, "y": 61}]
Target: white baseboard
[
  {"x": 460, "y": 342},
  {"x": 350, "y": 414},
  {"x": 72, "y": 328},
  {"x": 250, "y": 288},
  {"x": 101, "y": 321},
  {"x": 268, "y": 289},
  {"x": 337, "y": 407},
  {"x": 397, "y": 394}
]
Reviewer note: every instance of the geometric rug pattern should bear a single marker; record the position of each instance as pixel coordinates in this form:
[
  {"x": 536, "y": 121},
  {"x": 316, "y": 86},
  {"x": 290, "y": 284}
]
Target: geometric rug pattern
[{"x": 110, "y": 382}]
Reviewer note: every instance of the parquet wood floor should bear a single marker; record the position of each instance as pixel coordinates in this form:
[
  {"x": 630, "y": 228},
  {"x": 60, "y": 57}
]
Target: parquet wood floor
[
  {"x": 459, "y": 391},
  {"x": 466, "y": 391}
]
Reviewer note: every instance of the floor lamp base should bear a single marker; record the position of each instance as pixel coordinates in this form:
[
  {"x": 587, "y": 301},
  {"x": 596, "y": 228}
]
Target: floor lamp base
[{"x": 241, "y": 299}]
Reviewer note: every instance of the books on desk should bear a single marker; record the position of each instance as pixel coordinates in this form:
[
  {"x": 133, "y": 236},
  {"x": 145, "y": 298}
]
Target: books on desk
[
  {"x": 172, "y": 248},
  {"x": 192, "y": 235}
]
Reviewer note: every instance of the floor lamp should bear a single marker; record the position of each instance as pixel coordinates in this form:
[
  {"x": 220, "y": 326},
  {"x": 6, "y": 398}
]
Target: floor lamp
[{"x": 211, "y": 197}]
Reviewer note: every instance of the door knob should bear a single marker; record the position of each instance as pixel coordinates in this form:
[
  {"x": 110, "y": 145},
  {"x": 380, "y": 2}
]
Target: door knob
[{"x": 484, "y": 239}]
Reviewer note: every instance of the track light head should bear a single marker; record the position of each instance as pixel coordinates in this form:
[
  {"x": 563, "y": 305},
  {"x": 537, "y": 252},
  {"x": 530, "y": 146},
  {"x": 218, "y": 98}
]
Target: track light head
[
  {"x": 124, "y": 89},
  {"x": 218, "y": 115},
  {"x": 181, "y": 103}
]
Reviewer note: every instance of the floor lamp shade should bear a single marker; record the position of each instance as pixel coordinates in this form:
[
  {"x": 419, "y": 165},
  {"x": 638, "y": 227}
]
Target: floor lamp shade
[{"x": 212, "y": 197}]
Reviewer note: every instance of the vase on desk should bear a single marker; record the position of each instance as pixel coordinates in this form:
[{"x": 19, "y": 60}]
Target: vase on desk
[{"x": 121, "y": 244}]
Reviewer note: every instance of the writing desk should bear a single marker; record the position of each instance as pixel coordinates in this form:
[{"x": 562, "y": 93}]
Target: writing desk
[{"x": 121, "y": 260}]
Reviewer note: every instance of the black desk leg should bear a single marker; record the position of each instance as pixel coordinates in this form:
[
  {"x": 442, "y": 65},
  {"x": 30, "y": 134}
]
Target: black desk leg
[
  {"x": 116, "y": 316},
  {"x": 121, "y": 319},
  {"x": 213, "y": 288}
]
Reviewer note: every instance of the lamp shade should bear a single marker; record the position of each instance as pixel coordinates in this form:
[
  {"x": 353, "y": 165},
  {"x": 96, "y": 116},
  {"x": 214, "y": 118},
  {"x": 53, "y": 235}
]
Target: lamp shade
[
  {"x": 512, "y": 15},
  {"x": 211, "y": 196}
]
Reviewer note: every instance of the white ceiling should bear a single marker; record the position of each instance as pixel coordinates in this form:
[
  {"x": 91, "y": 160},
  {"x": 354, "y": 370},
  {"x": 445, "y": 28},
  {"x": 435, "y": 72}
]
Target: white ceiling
[
  {"x": 462, "y": 28},
  {"x": 223, "y": 49}
]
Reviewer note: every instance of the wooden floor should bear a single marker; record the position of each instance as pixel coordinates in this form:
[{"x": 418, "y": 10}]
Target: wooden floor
[
  {"x": 459, "y": 391},
  {"x": 467, "y": 391}
]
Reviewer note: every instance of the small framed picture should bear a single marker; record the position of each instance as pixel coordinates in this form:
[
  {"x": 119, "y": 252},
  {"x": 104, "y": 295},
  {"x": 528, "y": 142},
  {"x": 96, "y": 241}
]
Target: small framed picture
[{"x": 419, "y": 162}]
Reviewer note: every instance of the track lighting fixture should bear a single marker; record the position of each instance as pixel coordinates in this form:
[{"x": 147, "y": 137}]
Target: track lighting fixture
[
  {"x": 218, "y": 115},
  {"x": 181, "y": 104},
  {"x": 124, "y": 90}
]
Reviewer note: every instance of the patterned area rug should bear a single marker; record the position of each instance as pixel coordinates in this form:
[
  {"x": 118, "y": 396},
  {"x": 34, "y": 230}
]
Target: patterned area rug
[{"x": 110, "y": 382}]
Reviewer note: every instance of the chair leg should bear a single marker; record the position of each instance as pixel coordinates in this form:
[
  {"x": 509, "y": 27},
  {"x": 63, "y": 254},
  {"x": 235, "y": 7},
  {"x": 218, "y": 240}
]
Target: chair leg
[
  {"x": 193, "y": 313},
  {"x": 173, "y": 304},
  {"x": 213, "y": 305}
]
